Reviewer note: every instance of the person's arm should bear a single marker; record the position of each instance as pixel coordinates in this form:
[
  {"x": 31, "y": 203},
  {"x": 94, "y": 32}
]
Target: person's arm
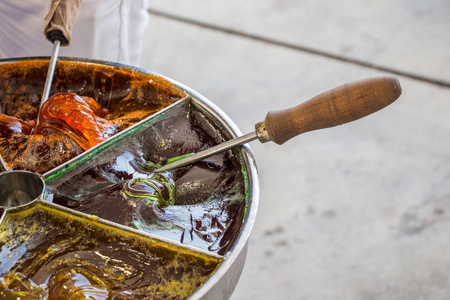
[{"x": 60, "y": 20}]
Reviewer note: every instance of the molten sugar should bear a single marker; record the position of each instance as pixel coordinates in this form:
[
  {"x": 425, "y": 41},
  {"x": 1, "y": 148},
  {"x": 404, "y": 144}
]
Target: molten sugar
[{"x": 46, "y": 253}]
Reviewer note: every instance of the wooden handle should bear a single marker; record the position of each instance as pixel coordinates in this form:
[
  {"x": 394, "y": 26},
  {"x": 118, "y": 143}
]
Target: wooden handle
[{"x": 337, "y": 106}]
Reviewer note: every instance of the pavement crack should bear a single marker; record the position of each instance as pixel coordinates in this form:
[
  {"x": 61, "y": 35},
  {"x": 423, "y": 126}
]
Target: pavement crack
[{"x": 300, "y": 48}]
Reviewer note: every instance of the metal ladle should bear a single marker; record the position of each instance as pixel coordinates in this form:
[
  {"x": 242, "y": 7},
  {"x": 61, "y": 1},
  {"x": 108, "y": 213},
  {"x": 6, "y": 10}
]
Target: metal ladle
[{"x": 19, "y": 188}]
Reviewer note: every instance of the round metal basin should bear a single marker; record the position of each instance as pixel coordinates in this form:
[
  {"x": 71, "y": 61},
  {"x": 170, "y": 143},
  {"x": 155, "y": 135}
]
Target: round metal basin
[{"x": 217, "y": 199}]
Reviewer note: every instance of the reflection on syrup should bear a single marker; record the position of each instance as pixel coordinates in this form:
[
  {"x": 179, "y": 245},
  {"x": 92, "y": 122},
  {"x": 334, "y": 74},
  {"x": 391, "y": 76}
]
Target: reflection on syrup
[
  {"x": 45, "y": 254},
  {"x": 157, "y": 189},
  {"x": 10, "y": 125}
]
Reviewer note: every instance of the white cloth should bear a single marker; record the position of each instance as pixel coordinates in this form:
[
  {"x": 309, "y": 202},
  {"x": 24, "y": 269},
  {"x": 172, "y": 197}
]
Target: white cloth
[{"x": 109, "y": 30}]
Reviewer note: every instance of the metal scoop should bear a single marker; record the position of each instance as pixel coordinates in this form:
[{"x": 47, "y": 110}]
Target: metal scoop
[
  {"x": 337, "y": 106},
  {"x": 19, "y": 188}
]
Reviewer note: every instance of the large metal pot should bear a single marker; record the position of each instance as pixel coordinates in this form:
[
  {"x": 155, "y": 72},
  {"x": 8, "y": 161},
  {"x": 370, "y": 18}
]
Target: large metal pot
[{"x": 24, "y": 79}]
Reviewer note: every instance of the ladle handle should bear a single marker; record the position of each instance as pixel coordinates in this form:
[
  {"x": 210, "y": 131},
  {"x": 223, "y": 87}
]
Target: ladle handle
[{"x": 337, "y": 106}]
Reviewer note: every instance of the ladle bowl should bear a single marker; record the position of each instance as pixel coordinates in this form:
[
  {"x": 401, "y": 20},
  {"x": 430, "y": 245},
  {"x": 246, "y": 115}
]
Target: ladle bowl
[{"x": 19, "y": 188}]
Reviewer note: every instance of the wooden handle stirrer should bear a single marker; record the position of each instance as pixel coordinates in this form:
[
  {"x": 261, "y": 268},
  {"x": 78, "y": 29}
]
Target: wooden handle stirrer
[
  {"x": 337, "y": 106},
  {"x": 343, "y": 104}
]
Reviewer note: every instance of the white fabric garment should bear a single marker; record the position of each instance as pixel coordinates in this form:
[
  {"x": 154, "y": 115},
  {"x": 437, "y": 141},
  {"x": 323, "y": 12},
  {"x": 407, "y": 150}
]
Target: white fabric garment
[{"x": 109, "y": 30}]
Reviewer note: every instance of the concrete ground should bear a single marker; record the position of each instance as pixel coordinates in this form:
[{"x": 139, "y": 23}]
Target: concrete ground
[{"x": 360, "y": 211}]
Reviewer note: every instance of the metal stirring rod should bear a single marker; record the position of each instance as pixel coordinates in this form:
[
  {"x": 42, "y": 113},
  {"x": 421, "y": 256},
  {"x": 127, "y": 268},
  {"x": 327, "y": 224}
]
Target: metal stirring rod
[
  {"x": 239, "y": 141},
  {"x": 2, "y": 165},
  {"x": 50, "y": 73},
  {"x": 343, "y": 104}
]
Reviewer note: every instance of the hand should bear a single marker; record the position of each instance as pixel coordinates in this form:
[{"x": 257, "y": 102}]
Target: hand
[{"x": 60, "y": 20}]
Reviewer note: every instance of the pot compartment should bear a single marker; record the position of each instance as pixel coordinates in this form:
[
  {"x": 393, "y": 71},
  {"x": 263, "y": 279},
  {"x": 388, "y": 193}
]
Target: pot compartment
[
  {"x": 129, "y": 96},
  {"x": 209, "y": 208},
  {"x": 51, "y": 253}
]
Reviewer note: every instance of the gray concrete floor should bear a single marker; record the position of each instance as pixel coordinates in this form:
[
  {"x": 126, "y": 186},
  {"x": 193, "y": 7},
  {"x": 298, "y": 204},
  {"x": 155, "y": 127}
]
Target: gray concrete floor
[{"x": 359, "y": 211}]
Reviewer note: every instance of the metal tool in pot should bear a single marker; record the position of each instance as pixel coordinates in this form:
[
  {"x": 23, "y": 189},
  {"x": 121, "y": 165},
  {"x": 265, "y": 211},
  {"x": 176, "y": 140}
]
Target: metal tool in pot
[
  {"x": 19, "y": 188},
  {"x": 57, "y": 38},
  {"x": 58, "y": 30},
  {"x": 343, "y": 104}
]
